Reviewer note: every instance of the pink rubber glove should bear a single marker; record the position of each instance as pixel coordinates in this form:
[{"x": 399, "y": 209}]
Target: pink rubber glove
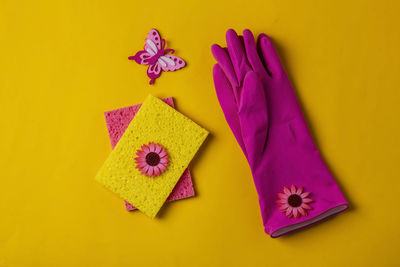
[{"x": 294, "y": 186}]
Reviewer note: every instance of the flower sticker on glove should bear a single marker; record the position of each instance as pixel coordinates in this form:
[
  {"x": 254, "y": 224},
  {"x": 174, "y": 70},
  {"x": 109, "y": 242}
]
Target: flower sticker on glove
[
  {"x": 152, "y": 160},
  {"x": 294, "y": 202}
]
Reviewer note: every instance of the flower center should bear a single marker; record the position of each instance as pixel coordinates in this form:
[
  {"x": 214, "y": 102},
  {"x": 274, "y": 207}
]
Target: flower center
[
  {"x": 152, "y": 159},
  {"x": 295, "y": 200}
]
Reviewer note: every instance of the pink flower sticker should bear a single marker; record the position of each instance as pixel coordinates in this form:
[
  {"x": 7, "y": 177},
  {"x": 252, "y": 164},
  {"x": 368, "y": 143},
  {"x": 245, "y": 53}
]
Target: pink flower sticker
[
  {"x": 294, "y": 202},
  {"x": 152, "y": 160}
]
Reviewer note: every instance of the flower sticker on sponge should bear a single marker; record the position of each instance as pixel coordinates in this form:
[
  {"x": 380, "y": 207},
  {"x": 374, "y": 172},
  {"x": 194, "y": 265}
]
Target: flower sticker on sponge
[
  {"x": 155, "y": 55},
  {"x": 294, "y": 202},
  {"x": 152, "y": 160}
]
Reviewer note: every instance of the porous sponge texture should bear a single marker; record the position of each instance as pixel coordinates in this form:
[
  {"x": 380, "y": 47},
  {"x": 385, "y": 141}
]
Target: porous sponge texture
[
  {"x": 183, "y": 189},
  {"x": 117, "y": 121},
  {"x": 154, "y": 122}
]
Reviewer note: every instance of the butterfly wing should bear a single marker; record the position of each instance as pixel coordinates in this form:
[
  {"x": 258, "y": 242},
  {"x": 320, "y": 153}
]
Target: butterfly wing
[
  {"x": 171, "y": 63},
  {"x": 153, "y": 42},
  {"x": 154, "y": 71},
  {"x": 141, "y": 57}
]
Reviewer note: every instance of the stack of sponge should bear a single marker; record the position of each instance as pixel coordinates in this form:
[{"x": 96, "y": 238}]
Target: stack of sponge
[{"x": 132, "y": 127}]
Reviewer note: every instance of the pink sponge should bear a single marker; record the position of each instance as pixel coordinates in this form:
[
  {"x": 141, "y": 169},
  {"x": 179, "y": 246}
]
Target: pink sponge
[{"x": 118, "y": 120}]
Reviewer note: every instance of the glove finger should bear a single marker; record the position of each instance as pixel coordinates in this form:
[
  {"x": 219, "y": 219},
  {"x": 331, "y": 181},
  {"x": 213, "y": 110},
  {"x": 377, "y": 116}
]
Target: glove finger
[
  {"x": 237, "y": 55},
  {"x": 228, "y": 104},
  {"x": 253, "y": 116},
  {"x": 252, "y": 54},
  {"x": 221, "y": 56},
  {"x": 270, "y": 56}
]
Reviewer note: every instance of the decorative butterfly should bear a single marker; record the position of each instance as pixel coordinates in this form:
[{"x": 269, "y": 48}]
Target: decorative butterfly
[{"x": 156, "y": 57}]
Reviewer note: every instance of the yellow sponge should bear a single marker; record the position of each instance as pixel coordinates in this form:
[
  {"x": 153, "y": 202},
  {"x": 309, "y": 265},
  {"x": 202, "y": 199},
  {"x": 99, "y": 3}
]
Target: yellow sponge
[{"x": 159, "y": 123}]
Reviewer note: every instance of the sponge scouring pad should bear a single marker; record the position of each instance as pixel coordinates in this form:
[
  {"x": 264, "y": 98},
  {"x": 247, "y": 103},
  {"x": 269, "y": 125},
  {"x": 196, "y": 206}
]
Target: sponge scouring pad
[
  {"x": 117, "y": 121},
  {"x": 159, "y": 123}
]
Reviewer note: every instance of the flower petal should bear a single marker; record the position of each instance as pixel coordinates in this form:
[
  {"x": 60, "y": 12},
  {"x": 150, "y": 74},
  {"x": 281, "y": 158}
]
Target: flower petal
[
  {"x": 306, "y": 206},
  {"x": 152, "y": 147},
  {"x": 284, "y": 207},
  {"x": 141, "y": 165},
  {"x": 150, "y": 172},
  {"x": 145, "y": 169},
  {"x": 299, "y": 190},
  {"x": 287, "y": 191},
  {"x": 302, "y": 211},
  {"x": 158, "y": 148},
  {"x": 293, "y": 189},
  {"x": 145, "y": 149},
  {"x": 289, "y": 212},
  {"x": 162, "y": 167},
  {"x": 295, "y": 212},
  {"x": 164, "y": 164},
  {"x": 283, "y": 196},
  {"x": 163, "y": 153},
  {"x": 140, "y": 153},
  {"x": 282, "y": 201},
  {"x": 164, "y": 161},
  {"x": 157, "y": 171},
  {"x": 140, "y": 160},
  {"x": 305, "y": 194},
  {"x": 307, "y": 200}
]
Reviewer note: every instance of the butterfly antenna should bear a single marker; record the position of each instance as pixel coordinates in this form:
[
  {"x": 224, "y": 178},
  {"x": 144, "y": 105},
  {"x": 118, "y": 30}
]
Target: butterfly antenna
[
  {"x": 169, "y": 50},
  {"x": 166, "y": 50}
]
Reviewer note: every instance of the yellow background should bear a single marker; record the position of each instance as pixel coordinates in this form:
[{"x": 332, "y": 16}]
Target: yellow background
[{"x": 65, "y": 62}]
